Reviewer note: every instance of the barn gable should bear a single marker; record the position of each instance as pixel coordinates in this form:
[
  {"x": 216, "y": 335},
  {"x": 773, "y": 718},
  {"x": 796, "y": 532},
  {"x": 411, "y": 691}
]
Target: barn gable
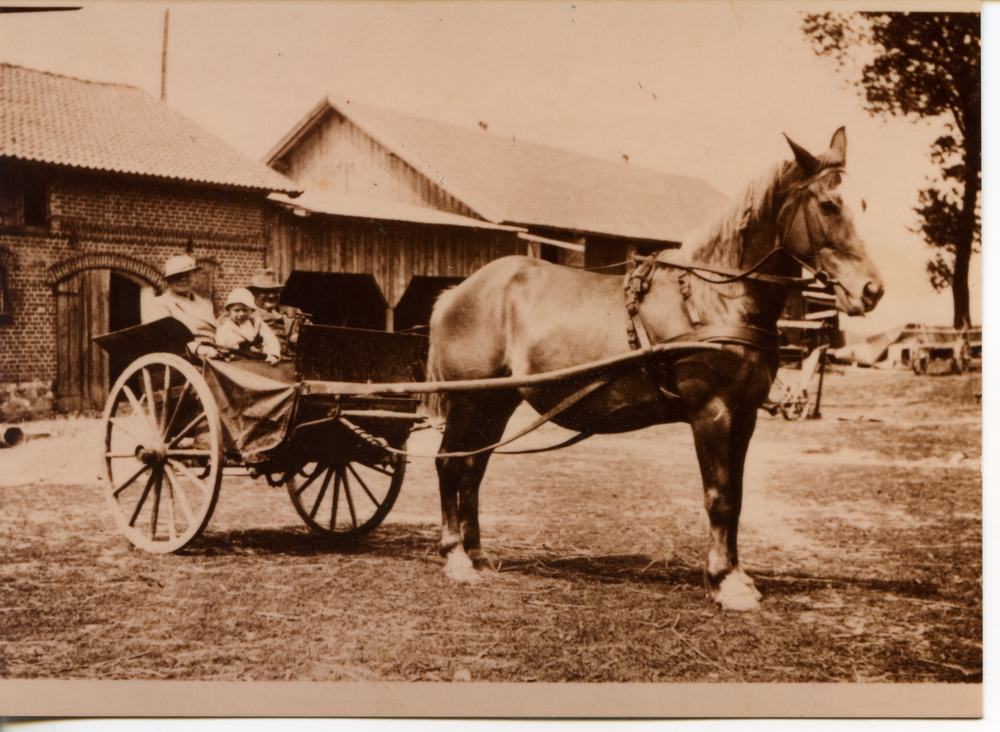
[
  {"x": 328, "y": 153},
  {"x": 474, "y": 173}
]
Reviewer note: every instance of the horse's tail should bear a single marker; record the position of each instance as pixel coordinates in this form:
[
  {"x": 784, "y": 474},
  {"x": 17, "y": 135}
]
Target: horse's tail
[{"x": 436, "y": 403}]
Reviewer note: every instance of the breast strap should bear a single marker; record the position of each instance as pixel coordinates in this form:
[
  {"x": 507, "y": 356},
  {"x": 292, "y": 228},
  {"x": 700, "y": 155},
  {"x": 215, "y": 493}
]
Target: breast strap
[{"x": 637, "y": 283}]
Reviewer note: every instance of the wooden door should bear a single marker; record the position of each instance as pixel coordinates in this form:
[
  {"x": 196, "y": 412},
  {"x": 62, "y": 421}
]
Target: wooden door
[{"x": 82, "y": 311}]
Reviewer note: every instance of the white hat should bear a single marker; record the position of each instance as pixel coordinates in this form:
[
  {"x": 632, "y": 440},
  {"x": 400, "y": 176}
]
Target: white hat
[
  {"x": 179, "y": 265},
  {"x": 241, "y": 296}
]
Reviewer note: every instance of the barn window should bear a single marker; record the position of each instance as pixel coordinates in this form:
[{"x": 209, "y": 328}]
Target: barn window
[
  {"x": 24, "y": 198},
  {"x": 35, "y": 196}
]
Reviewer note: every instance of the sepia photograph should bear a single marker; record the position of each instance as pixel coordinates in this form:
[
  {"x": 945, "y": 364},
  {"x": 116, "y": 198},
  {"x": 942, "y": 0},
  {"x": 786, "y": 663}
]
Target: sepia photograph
[{"x": 615, "y": 358}]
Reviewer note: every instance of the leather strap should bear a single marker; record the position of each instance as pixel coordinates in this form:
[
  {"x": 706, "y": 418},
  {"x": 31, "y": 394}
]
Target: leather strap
[
  {"x": 730, "y": 275},
  {"x": 744, "y": 335},
  {"x": 549, "y": 415}
]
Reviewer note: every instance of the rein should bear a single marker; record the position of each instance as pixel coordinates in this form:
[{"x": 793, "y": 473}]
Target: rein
[
  {"x": 729, "y": 276},
  {"x": 818, "y": 275}
]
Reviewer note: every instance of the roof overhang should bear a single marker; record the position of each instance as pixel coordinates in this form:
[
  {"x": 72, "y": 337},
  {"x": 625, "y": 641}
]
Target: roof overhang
[{"x": 367, "y": 207}]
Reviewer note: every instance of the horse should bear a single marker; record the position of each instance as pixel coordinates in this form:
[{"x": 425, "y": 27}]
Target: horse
[{"x": 725, "y": 286}]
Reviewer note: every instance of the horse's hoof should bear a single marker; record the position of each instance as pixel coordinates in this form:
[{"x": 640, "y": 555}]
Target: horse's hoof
[
  {"x": 460, "y": 567},
  {"x": 481, "y": 561},
  {"x": 733, "y": 594},
  {"x": 745, "y": 579}
]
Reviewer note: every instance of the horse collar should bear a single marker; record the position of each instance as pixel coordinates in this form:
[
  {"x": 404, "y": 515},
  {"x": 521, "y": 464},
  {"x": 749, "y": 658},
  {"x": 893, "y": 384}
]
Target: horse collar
[{"x": 637, "y": 284}]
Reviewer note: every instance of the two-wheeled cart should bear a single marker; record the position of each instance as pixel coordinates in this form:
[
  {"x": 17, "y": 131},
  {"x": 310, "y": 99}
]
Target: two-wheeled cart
[{"x": 174, "y": 424}]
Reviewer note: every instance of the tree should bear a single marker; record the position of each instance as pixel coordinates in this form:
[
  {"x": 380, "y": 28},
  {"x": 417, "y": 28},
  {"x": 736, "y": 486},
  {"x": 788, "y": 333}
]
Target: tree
[{"x": 925, "y": 65}]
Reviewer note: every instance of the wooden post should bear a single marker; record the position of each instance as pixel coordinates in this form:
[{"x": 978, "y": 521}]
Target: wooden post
[{"x": 819, "y": 388}]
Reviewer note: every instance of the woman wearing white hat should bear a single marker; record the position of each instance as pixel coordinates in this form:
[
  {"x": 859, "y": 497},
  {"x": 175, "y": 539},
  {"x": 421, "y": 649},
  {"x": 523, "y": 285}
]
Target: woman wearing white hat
[{"x": 181, "y": 303}]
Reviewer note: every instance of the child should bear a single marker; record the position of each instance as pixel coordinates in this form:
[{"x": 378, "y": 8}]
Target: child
[{"x": 243, "y": 329}]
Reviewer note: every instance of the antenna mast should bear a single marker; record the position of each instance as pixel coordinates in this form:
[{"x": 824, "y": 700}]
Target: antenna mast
[{"x": 163, "y": 76}]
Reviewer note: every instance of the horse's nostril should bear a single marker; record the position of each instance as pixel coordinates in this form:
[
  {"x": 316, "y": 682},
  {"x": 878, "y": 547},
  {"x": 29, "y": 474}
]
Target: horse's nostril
[{"x": 872, "y": 293}]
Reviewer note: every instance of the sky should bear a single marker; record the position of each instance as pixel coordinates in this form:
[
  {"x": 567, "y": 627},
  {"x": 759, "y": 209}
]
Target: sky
[{"x": 695, "y": 88}]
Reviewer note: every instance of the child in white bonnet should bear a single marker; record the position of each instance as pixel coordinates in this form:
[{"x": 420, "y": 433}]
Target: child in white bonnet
[{"x": 243, "y": 328}]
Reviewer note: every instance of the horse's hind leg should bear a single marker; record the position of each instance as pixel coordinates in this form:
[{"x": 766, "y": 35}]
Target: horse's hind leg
[{"x": 471, "y": 424}]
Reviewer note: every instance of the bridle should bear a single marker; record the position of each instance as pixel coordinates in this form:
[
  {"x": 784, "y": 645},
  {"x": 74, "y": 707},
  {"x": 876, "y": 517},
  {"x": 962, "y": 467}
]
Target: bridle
[
  {"x": 817, "y": 275},
  {"x": 639, "y": 280}
]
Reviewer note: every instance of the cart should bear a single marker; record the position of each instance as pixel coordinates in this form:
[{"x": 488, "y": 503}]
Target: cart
[
  {"x": 951, "y": 357},
  {"x": 174, "y": 424},
  {"x": 792, "y": 394}
]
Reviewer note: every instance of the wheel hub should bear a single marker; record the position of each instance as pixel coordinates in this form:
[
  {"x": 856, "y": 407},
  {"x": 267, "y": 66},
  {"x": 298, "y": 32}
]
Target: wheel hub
[{"x": 154, "y": 455}]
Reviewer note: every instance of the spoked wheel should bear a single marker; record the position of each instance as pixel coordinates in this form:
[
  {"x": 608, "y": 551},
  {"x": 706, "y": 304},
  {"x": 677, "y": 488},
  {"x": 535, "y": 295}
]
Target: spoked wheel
[
  {"x": 163, "y": 452},
  {"x": 793, "y": 408},
  {"x": 344, "y": 500}
]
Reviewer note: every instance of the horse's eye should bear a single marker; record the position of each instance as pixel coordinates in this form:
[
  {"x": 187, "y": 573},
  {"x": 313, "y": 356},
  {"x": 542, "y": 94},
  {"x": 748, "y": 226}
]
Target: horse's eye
[
  {"x": 829, "y": 207},
  {"x": 864, "y": 205}
]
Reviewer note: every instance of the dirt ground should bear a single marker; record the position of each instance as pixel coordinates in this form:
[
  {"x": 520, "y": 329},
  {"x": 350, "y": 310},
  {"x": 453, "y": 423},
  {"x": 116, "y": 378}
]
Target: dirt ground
[{"x": 863, "y": 529}]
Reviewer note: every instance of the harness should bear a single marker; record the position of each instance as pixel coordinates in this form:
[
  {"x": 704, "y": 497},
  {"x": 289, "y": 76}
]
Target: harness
[{"x": 639, "y": 281}]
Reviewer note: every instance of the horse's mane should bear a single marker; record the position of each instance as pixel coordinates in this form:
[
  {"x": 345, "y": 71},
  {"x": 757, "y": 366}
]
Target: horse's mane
[
  {"x": 722, "y": 241},
  {"x": 745, "y": 224}
]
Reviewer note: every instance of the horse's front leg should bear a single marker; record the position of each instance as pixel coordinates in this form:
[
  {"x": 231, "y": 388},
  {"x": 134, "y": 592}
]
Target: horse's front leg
[{"x": 721, "y": 437}]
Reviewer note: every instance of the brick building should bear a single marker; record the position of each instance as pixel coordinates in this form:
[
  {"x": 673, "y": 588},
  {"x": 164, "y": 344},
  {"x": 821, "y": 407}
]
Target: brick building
[{"x": 99, "y": 185}]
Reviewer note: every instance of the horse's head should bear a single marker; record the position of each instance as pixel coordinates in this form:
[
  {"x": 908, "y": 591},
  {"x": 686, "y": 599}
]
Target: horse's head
[{"x": 817, "y": 227}]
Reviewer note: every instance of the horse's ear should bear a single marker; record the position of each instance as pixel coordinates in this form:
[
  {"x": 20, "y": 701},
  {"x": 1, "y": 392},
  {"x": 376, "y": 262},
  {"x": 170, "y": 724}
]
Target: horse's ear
[
  {"x": 806, "y": 161},
  {"x": 838, "y": 146}
]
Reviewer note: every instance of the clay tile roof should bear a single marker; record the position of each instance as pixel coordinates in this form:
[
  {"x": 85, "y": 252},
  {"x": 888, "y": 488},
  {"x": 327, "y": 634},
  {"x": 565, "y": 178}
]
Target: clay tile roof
[
  {"x": 115, "y": 127},
  {"x": 527, "y": 184}
]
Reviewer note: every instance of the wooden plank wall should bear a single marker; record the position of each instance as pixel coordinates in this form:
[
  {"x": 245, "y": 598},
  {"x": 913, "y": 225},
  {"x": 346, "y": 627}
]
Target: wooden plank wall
[
  {"x": 393, "y": 252},
  {"x": 339, "y": 157}
]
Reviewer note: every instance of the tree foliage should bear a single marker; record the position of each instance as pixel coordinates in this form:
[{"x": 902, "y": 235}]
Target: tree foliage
[{"x": 924, "y": 65}]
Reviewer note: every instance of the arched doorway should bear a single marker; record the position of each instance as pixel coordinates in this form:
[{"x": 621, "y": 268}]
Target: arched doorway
[{"x": 92, "y": 301}]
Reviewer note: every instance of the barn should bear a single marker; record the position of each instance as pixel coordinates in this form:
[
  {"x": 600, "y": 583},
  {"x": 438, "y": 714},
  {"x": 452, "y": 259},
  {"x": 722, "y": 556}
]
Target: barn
[
  {"x": 99, "y": 185},
  {"x": 365, "y": 262},
  {"x": 566, "y": 207}
]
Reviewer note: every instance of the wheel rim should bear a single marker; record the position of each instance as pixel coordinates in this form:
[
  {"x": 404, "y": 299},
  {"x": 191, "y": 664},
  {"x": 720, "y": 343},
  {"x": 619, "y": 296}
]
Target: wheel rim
[
  {"x": 163, "y": 453},
  {"x": 344, "y": 500}
]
